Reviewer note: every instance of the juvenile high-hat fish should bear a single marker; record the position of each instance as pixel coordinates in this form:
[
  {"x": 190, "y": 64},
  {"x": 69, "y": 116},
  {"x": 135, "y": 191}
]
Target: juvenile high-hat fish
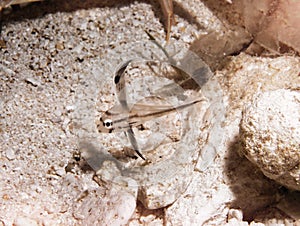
[{"x": 124, "y": 117}]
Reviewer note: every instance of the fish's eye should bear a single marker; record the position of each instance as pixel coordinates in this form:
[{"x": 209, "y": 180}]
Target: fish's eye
[
  {"x": 107, "y": 123},
  {"x": 117, "y": 79}
]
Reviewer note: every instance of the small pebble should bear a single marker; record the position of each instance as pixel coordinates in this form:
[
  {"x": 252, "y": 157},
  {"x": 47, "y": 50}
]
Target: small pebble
[
  {"x": 59, "y": 46},
  {"x": 70, "y": 108},
  {"x": 10, "y": 154},
  {"x": 32, "y": 81}
]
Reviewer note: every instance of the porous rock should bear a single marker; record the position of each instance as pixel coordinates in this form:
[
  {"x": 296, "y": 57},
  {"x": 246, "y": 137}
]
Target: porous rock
[{"x": 270, "y": 132}]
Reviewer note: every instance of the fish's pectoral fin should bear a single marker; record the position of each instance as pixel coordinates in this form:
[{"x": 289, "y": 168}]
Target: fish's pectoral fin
[
  {"x": 140, "y": 154},
  {"x": 133, "y": 142}
]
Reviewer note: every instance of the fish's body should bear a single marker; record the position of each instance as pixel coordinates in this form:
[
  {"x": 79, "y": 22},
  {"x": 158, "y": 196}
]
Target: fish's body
[{"x": 117, "y": 119}]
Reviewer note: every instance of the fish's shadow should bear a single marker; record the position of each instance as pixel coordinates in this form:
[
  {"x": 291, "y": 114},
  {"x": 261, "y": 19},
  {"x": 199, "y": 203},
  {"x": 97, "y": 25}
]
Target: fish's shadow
[{"x": 255, "y": 194}]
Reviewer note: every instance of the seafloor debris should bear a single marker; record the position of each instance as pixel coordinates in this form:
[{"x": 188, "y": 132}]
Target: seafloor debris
[
  {"x": 273, "y": 24},
  {"x": 265, "y": 27}
]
